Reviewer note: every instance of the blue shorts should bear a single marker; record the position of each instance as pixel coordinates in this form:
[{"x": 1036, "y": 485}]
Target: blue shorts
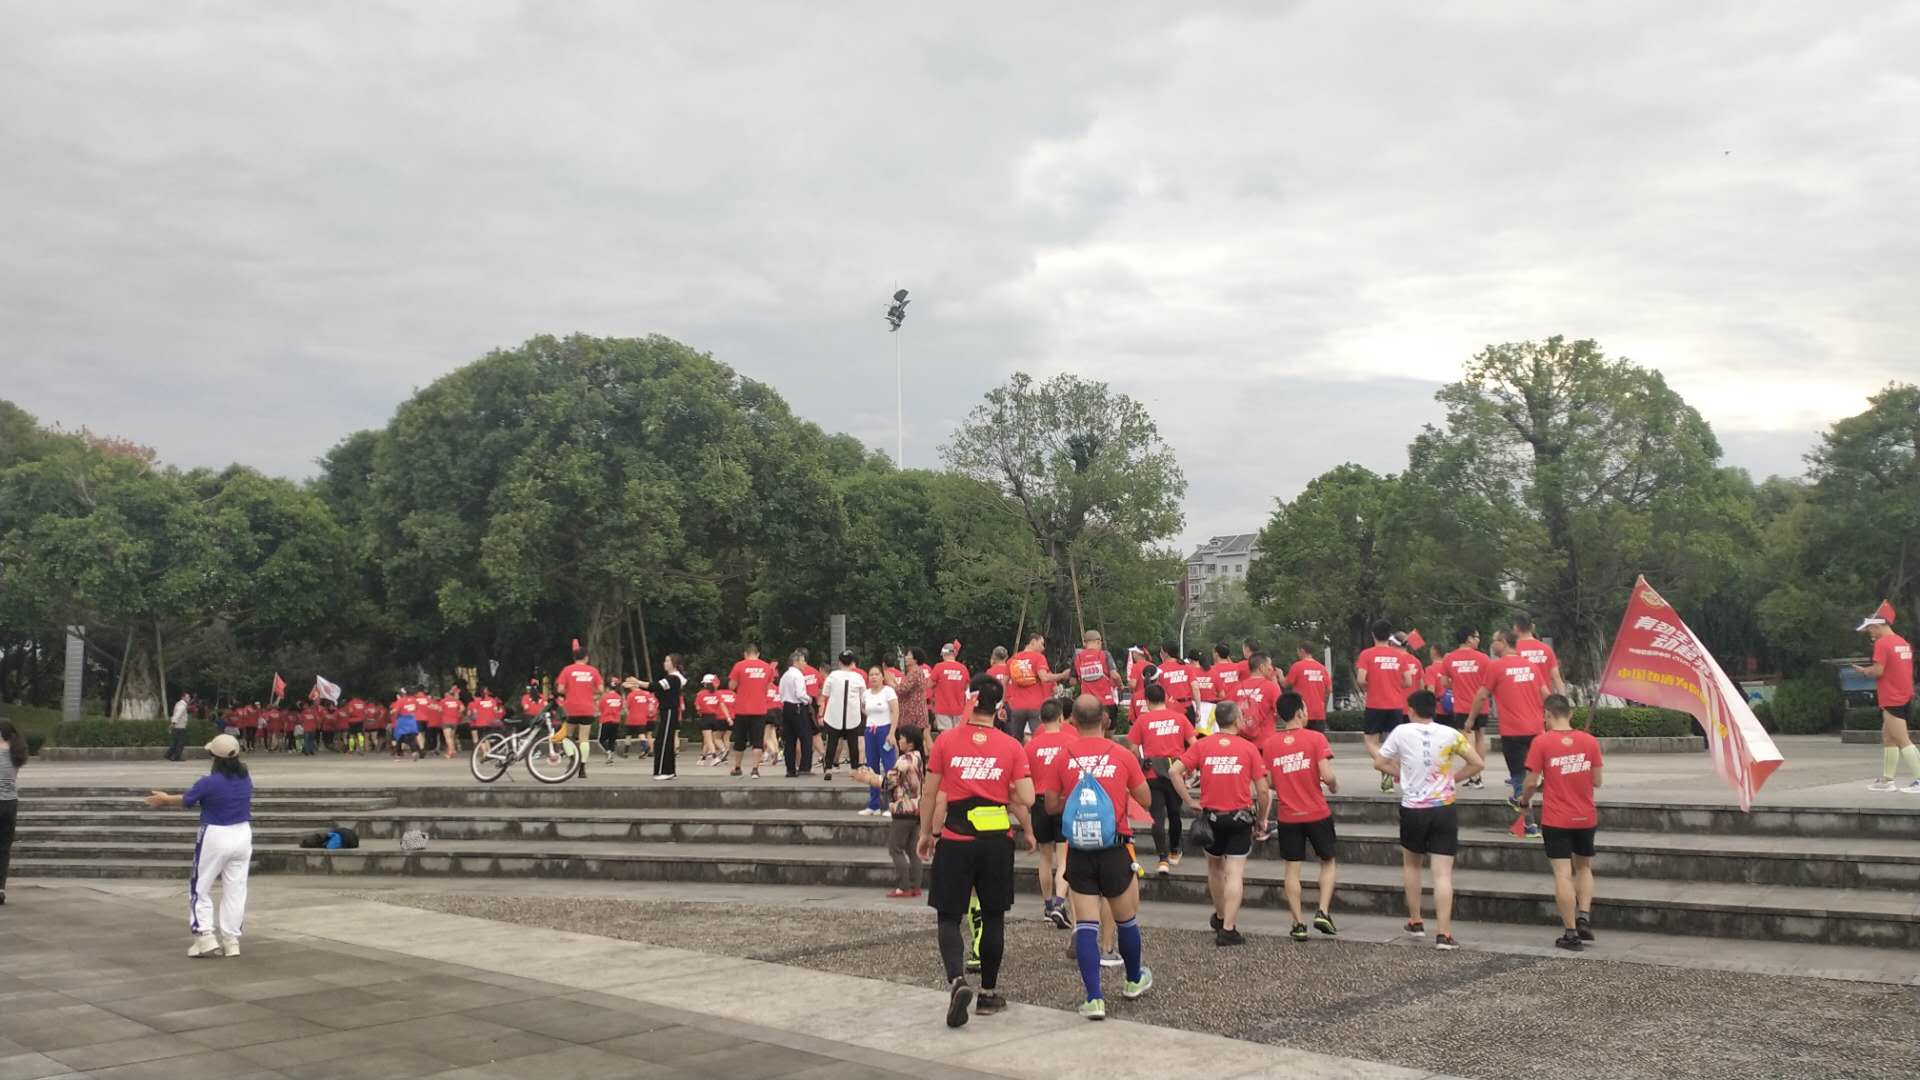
[{"x": 405, "y": 727}]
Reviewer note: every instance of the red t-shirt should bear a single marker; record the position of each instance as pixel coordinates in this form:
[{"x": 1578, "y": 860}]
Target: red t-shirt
[
  {"x": 1540, "y": 655},
  {"x": 728, "y": 699},
  {"x": 642, "y": 707},
  {"x": 1387, "y": 669},
  {"x": 487, "y": 712},
  {"x": 1519, "y": 691},
  {"x": 1565, "y": 761},
  {"x": 1227, "y": 765},
  {"x": 750, "y": 681},
  {"x": 579, "y": 686},
  {"x": 1259, "y": 701},
  {"x": 1204, "y": 688},
  {"x": 949, "y": 678},
  {"x": 1311, "y": 680},
  {"x": 1466, "y": 671},
  {"x": 812, "y": 676},
  {"x": 1894, "y": 687},
  {"x": 1226, "y": 678},
  {"x": 433, "y": 712},
  {"x": 1293, "y": 760},
  {"x": 1042, "y": 749},
  {"x": 975, "y": 762},
  {"x": 1027, "y": 665},
  {"x": 1135, "y": 666},
  {"x": 1113, "y": 766},
  {"x": 1096, "y": 675},
  {"x": 707, "y": 703},
  {"x": 1178, "y": 682},
  {"x": 1161, "y": 733},
  {"x": 610, "y": 705},
  {"x": 530, "y": 706}
]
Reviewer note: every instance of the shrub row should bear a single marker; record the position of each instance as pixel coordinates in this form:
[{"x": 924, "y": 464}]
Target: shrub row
[
  {"x": 1631, "y": 722},
  {"x": 126, "y": 733}
]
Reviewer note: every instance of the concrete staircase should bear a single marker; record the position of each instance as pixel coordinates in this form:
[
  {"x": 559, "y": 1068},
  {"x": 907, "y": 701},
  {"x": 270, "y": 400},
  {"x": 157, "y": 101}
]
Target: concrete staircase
[{"x": 1810, "y": 875}]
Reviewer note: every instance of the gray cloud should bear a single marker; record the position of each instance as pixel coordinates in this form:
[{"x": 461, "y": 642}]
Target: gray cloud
[{"x": 239, "y": 232}]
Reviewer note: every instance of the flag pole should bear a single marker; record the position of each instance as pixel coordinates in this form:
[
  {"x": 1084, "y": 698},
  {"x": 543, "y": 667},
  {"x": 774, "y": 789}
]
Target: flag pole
[{"x": 899, "y": 399}]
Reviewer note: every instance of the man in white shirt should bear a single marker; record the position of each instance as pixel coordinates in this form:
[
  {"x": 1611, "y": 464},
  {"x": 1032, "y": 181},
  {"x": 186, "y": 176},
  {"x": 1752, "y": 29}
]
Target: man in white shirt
[
  {"x": 177, "y": 729},
  {"x": 796, "y": 716}
]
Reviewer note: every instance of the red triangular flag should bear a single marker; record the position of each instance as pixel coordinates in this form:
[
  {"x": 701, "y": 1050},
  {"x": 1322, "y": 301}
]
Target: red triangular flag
[
  {"x": 1138, "y": 814},
  {"x": 1881, "y": 615},
  {"x": 279, "y": 686}
]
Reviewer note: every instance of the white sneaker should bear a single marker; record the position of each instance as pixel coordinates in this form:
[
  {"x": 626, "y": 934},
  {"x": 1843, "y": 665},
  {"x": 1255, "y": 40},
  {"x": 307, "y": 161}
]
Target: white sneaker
[
  {"x": 1882, "y": 784},
  {"x": 669, "y": 776},
  {"x": 866, "y": 811},
  {"x": 883, "y": 813},
  {"x": 1913, "y": 788},
  {"x": 229, "y": 946},
  {"x": 204, "y": 945}
]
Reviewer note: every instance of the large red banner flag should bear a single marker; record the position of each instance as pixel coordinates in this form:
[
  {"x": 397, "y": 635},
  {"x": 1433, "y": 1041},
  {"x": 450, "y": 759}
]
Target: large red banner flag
[{"x": 1657, "y": 660}]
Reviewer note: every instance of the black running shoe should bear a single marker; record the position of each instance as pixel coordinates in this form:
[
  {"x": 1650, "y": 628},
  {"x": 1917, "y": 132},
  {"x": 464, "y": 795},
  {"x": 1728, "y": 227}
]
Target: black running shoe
[
  {"x": 1229, "y": 937},
  {"x": 990, "y": 1002},
  {"x": 1299, "y": 932},
  {"x": 1323, "y": 922},
  {"x": 959, "y": 999},
  {"x": 1570, "y": 941},
  {"x": 1445, "y": 942},
  {"x": 1584, "y": 929},
  {"x": 1214, "y": 920},
  {"x": 1416, "y": 928}
]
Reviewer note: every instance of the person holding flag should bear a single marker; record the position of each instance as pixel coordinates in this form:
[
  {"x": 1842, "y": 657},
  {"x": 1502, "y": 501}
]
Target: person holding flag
[{"x": 1891, "y": 670}]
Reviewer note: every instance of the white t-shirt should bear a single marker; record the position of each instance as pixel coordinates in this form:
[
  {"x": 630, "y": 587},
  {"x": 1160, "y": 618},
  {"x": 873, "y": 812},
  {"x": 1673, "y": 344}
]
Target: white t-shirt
[
  {"x": 843, "y": 689},
  {"x": 1426, "y": 753},
  {"x": 880, "y": 706}
]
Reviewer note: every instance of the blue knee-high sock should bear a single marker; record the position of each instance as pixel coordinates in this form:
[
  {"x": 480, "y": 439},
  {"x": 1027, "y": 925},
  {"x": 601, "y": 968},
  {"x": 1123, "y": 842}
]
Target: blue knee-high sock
[
  {"x": 1129, "y": 940},
  {"x": 1086, "y": 950}
]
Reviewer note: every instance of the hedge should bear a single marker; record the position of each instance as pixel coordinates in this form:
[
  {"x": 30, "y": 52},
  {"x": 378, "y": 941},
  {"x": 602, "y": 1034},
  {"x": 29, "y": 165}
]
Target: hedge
[
  {"x": 35, "y": 741},
  {"x": 1631, "y": 722},
  {"x": 1807, "y": 705},
  {"x": 1864, "y": 718},
  {"x": 127, "y": 733}
]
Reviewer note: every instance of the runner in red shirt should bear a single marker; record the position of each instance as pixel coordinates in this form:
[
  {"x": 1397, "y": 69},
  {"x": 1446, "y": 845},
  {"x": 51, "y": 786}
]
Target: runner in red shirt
[
  {"x": 1312, "y": 681},
  {"x": 1564, "y": 765},
  {"x": 1891, "y": 670},
  {"x": 642, "y": 710},
  {"x": 1538, "y": 653},
  {"x": 453, "y": 721},
  {"x": 976, "y": 787},
  {"x": 488, "y": 711},
  {"x": 751, "y": 681},
  {"x": 1258, "y": 696},
  {"x": 1206, "y": 693},
  {"x": 433, "y": 718},
  {"x": 1103, "y": 873},
  {"x": 579, "y": 685},
  {"x": 997, "y": 667},
  {"x": 1093, "y": 669},
  {"x": 1178, "y": 680},
  {"x": 1516, "y": 689},
  {"x": 1384, "y": 675},
  {"x": 1028, "y": 684},
  {"x": 706, "y": 708},
  {"x": 949, "y": 679},
  {"x": 1228, "y": 673},
  {"x": 1466, "y": 669},
  {"x": 1162, "y": 736},
  {"x": 1042, "y": 750},
  {"x": 1300, "y": 763},
  {"x": 1232, "y": 773},
  {"x": 611, "y": 705}
]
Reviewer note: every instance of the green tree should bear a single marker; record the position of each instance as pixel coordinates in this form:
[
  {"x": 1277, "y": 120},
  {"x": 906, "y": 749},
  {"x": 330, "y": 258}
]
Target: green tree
[
  {"x": 1324, "y": 564},
  {"x": 1083, "y": 473}
]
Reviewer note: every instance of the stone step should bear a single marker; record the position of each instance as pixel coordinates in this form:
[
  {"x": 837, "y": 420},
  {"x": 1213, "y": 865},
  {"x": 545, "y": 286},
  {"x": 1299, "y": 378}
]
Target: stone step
[
  {"x": 65, "y": 804},
  {"x": 1748, "y": 860}
]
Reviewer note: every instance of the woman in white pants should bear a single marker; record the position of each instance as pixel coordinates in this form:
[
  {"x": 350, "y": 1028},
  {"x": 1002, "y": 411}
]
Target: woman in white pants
[{"x": 223, "y": 851}]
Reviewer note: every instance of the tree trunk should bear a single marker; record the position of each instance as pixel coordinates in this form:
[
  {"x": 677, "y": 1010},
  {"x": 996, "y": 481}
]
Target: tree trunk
[
  {"x": 120, "y": 680},
  {"x": 1073, "y": 574},
  {"x": 599, "y": 640},
  {"x": 646, "y": 654},
  {"x": 160, "y": 664}
]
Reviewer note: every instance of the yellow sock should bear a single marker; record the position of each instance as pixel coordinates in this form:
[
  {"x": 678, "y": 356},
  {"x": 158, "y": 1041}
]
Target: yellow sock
[
  {"x": 1889, "y": 761},
  {"x": 1910, "y": 756}
]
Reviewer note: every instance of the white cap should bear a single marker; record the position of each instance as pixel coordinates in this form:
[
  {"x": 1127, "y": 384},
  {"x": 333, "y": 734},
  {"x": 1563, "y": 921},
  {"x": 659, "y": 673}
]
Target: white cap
[
  {"x": 708, "y": 680},
  {"x": 224, "y": 746}
]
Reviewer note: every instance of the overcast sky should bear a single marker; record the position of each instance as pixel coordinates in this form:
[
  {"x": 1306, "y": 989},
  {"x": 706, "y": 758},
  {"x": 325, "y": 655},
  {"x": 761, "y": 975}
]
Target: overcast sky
[{"x": 241, "y": 231}]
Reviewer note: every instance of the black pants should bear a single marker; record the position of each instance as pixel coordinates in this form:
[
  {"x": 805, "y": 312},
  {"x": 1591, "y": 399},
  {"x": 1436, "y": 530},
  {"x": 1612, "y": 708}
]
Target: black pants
[
  {"x": 9, "y": 812},
  {"x": 851, "y": 738},
  {"x": 796, "y": 737},
  {"x": 664, "y": 745},
  {"x": 1166, "y": 816},
  {"x": 177, "y": 744}
]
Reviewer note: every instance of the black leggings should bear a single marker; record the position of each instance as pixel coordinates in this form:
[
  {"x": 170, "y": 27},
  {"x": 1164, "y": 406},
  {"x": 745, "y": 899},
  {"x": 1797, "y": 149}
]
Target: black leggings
[
  {"x": 9, "y": 813},
  {"x": 667, "y": 738},
  {"x": 1166, "y": 816},
  {"x": 993, "y": 946},
  {"x": 835, "y": 737}
]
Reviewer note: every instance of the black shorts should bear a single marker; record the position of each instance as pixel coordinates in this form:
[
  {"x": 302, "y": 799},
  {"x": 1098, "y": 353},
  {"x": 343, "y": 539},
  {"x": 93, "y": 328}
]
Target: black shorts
[
  {"x": 1230, "y": 841},
  {"x": 749, "y": 731},
  {"x": 1454, "y": 720},
  {"x": 1904, "y": 712},
  {"x": 1382, "y": 721},
  {"x": 1047, "y": 828},
  {"x": 712, "y": 723},
  {"x": 356, "y": 726},
  {"x": 1514, "y": 748},
  {"x": 1566, "y": 843},
  {"x": 1430, "y": 830},
  {"x": 1107, "y": 872},
  {"x": 962, "y": 869},
  {"x": 1295, "y": 836}
]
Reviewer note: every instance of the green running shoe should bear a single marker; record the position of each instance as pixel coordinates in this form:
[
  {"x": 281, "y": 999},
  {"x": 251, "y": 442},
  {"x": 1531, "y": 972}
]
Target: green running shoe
[
  {"x": 1095, "y": 1009},
  {"x": 1131, "y": 990}
]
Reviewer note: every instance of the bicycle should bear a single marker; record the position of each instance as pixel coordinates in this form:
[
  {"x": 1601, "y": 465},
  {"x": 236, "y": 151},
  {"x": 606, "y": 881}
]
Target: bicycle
[{"x": 549, "y": 758}]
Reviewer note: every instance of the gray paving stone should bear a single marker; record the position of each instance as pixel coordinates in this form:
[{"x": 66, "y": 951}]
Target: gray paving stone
[
  {"x": 380, "y": 1065},
  {"x": 669, "y": 1044},
  {"x": 486, "y": 1049},
  {"x": 753, "y": 1061},
  {"x": 125, "y": 1052},
  {"x": 238, "y": 1035},
  {"x": 30, "y": 1067},
  {"x": 71, "y": 1025},
  {"x": 212, "y": 1065}
]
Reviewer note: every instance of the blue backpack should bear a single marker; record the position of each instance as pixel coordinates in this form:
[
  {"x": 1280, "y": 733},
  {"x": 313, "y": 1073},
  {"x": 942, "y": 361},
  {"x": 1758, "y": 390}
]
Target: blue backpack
[{"x": 1088, "y": 820}]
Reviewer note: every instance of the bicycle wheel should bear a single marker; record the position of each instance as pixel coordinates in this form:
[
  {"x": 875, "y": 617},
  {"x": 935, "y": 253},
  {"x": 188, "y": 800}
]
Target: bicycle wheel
[
  {"x": 490, "y": 758},
  {"x": 554, "y": 761}
]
